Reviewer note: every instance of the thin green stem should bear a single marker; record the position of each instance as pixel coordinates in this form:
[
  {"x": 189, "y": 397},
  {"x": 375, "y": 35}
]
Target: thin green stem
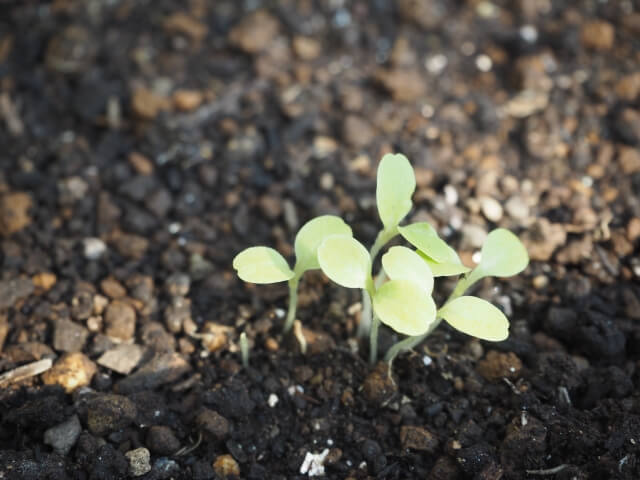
[
  {"x": 244, "y": 349},
  {"x": 293, "y": 303},
  {"x": 365, "y": 315},
  {"x": 383, "y": 237},
  {"x": 373, "y": 340}
]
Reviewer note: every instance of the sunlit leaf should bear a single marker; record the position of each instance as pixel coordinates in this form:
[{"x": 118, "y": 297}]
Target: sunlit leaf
[
  {"x": 404, "y": 306},
  {"x": 441, "y": 258},
  {"x": 402, "y": 263},
  {"x": 477, "y": 317},
  {"x": 311, "y": 235},
  {"x": 443, "y": 269},
  {"x": 345, "y": 261},
  {"x": 425, "y": 238},
  {"x": 502, "y": 255},
  {"x": 262, "y": 265},
  {"x": 395, "y": 186}
]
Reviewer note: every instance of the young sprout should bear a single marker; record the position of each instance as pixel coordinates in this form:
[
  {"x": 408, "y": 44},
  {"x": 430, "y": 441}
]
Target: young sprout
[
  {"x": 502, "y": 255},
  {"x": 266, "y": 265},
  {"x": 395, "y": 185},
  {"x": 404, "y": 303}
]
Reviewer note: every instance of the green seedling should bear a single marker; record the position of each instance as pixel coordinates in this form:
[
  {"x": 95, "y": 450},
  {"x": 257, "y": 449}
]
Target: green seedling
[
  {"x": 401, "y": 295},
  {"x": 266, "y": 265}
]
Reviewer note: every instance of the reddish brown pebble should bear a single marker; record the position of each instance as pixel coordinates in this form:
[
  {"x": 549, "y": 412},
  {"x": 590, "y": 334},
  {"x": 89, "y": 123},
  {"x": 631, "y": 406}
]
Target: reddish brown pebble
[
  {"x": 498, "y": 365},
  {"x": 225, "y": 466}
]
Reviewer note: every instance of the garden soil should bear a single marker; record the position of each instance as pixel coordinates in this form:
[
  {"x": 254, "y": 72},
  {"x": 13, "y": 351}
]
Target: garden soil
[{"x": 145, "y": 143}]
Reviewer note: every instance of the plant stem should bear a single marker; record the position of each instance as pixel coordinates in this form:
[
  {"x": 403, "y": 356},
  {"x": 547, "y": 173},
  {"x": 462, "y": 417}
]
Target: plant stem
[
  {"x": 365, "y": 315},
  {"x": 244, "y": 349},
  {"x": 411, "y": 342},
  {"x": 383, "y": 237},
  {"x": 293, "y": 303},
  {"x": 373, "y": 340}
]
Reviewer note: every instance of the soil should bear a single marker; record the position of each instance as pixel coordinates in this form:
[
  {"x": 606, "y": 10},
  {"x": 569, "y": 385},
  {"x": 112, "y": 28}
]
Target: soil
[{"x": 144, "y": 144}]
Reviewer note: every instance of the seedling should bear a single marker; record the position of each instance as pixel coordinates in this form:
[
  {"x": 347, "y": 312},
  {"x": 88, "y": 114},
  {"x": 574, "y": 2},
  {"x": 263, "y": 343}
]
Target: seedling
[
  {"x": 266, "y": 265},
  {"x": 404, "y": 302}
]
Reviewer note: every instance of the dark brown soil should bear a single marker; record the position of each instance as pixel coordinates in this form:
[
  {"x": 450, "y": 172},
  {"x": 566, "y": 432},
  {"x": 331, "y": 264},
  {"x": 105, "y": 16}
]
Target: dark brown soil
[{"x": 145, "y": 143}]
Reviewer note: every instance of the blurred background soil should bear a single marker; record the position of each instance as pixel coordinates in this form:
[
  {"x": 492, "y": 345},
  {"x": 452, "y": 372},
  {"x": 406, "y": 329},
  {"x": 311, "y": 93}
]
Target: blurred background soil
[{"x": 145, "y": 143}]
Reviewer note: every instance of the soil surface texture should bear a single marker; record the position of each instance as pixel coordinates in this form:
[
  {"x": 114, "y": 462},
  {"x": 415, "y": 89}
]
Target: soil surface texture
[{"x": 144, "y": 143}]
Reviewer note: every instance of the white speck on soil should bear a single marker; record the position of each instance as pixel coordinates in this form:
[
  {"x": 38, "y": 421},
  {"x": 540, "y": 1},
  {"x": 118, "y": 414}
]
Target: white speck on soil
[
  {"x": 273, "y": 400},
  {"x": 313, "y": 463}
]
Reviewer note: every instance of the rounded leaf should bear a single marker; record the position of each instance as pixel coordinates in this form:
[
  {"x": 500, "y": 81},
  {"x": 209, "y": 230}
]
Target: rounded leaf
[
  {"x": 503, "y": 254},
  {"x": 425, "y": 238},
  {"x": 404, "y": 306},
  {"x": 262, "y": 265},
  {"x": 477, "y": 317},
  {"x": 443, "y": 269},
  {"x": 402, "y": 263},
  {"x": 311, "y": 235},
  {"x": 395, "y": 185},
  {"x": 345, "y": 261}
]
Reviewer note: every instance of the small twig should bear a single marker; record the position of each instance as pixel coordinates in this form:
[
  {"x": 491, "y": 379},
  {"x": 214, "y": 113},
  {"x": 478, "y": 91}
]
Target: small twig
[
  {"x": 187, "y": 449},
  {"x": 26, "y": 371},
  {"x": 548, "y": 471},
  {"x": 514, "y": 389}
]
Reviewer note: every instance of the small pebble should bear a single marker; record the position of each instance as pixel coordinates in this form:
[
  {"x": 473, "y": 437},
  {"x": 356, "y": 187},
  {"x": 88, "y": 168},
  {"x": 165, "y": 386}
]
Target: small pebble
[
  {"x": 71, "y": 371},
  {"x": 139, "y": 461},
  {"x": 225, "y": 466},
  {"x": 93, "y": 248},
  {"x": 491, "y": 209},
  {"x": 63, "y": 437}
]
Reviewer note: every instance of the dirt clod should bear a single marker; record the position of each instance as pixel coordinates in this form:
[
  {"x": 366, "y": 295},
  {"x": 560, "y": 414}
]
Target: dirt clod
[
  {"x": 71, "y": 371},
  {"x": 497, "y": 365}
]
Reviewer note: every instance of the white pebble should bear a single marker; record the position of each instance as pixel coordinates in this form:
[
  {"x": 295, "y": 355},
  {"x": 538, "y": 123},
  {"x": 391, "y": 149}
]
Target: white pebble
[
  {"x": 517, "y": 208},
  {"x": 273, "y": 400},
  {"x": 483, "y": 63},
  {"x": 491, "y": 209},
  {"x": 450, "y": 194},
  {"x": 313, "y": 463},
  {"x": 94, "y": 248},
  {"x": 436, "y": 63},
  {"x": 529, "y": 33}
]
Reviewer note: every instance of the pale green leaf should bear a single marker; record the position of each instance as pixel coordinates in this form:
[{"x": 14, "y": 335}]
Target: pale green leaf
[
  {"x": 425, "y": 238},
  {"x": 311, "y": 235},
  {"x": 262, "y": 265},
  {"x": 402, "y": 263},
  {"x": 477, "y": 317},
  {"x": 502, "y": 255},
  {"x": 443, "y": 269},
  {"x": 345, "y": 261},
  {"x": 404, "y": 306},
  {"x": 395, "y": 186}
]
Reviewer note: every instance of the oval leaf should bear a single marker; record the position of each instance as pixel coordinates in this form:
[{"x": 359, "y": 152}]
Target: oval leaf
[
  {"x": 425, "y": 238},
  {"x": 311, "y": 235},
  {"x": 402, "y": 263},
  {"x": 395, "y": 186},
  {"x": 403, "y": 306},
  {"x": 477, "y": 317},
  {"x": 345, "y": 261},
  {"x": 503, "y": 254},
  {"x": 443, "y": 269},
  {"x": 262, "y": 265}
]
